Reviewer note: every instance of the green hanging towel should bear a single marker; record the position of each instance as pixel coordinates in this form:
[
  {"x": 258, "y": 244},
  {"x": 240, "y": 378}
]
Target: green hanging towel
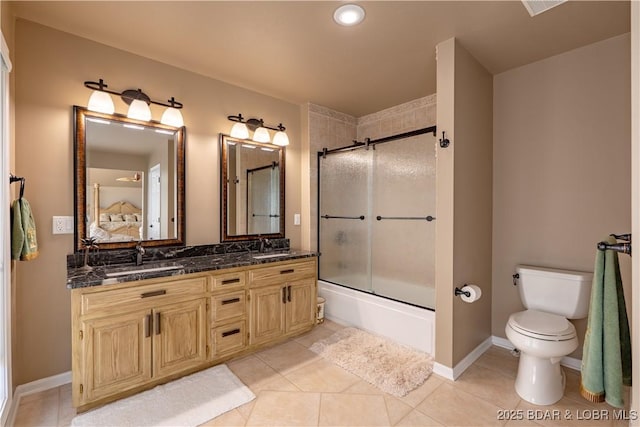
[
  {"x": 24, "y": 243},
  {"x": 17, "y": 233},
  {"x": 606, "y": 355}
]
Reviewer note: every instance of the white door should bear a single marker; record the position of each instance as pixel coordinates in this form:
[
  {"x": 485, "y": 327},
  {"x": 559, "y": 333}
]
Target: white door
[
  {"x": 153, "y": 213},
  {"x": 5, "y": 279}
]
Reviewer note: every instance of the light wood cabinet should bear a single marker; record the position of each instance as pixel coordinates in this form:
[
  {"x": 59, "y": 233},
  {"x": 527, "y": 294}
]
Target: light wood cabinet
[
  {"x": 283, "y": 309},
  {"x": 116, "y": 353},
  {"x": 179, "y": 337},
  {"x": 128, "y": 337},
  {"x": 228, "y": 311},
  {"x": 267, "y": 313},
  {"x": 301, "y": 305}
]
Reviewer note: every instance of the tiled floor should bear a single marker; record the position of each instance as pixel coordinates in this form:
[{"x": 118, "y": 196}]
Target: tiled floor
[{"x": 294, "y": 387}]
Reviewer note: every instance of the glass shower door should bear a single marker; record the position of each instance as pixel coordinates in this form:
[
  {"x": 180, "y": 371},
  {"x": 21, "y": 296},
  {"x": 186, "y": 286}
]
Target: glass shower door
[
  {"x": 403, "y": 241},
  {"x": 344, "y": 238}
]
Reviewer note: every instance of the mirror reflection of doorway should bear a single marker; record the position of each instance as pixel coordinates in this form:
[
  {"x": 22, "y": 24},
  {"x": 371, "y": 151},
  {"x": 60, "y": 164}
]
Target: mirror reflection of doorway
[
  {"x": 153, "y": 216},
  {"x": 263, "y": 203}
]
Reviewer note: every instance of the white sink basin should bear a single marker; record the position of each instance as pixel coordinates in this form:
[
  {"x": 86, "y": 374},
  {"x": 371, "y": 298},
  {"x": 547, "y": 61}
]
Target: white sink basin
[
  {"x": 269, "y": 256},
  {"x": 143, "y": 269}
]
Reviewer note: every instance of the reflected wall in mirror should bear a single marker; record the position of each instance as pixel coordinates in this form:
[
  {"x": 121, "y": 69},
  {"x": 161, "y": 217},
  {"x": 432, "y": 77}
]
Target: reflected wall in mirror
[
  {"x": 252, "y": 190},
  {"x": 129, "y": 181}
]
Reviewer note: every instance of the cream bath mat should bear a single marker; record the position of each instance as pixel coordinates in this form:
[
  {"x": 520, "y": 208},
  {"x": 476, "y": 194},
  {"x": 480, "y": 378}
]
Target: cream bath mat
[
  {"x": 393, "y": 368},
  {"x": 188, "y": 401}
]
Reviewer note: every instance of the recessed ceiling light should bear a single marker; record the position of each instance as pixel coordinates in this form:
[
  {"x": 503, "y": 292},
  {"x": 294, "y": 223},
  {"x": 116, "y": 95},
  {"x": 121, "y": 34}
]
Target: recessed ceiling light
[{"x": 348, "y": 15}]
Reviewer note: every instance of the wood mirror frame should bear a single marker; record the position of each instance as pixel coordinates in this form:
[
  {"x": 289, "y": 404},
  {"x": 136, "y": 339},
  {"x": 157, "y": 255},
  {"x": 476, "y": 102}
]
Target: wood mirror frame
[
  {"x": 225, "y": 234},
  {"x": 81, "y": 115}
]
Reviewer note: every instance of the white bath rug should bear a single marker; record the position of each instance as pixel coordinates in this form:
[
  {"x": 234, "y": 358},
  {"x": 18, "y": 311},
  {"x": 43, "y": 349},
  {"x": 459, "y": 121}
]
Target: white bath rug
[
  {"x": 392, "y": 367},
  {"x": 188, "y": 401}
]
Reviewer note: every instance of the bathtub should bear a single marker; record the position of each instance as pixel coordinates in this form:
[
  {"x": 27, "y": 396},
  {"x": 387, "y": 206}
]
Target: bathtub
[{"x": 403, "y": 323}]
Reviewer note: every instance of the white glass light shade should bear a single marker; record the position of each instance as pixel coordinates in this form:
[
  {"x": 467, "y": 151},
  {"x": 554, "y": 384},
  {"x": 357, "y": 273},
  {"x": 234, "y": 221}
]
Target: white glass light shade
[
  {"x": 349, "y": 14},
  {"x": 261, "y": 135},
  {"x": 139, "y": 110},
  {"x": 101, "y": 102},
  {"x": 240, "y": 130},
  {"x": 172, "y": 117},
  {"x": 281, "y": 139}
]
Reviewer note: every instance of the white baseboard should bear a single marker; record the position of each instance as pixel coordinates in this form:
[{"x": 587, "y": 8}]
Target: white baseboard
[
  {"x": 569, "y": 362},
  {"x": 453, "y": 373},
  {"x": 6, "y": 413},
  {"x": 35, "y": 387}
]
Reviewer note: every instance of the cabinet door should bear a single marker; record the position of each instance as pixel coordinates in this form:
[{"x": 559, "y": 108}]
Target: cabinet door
[
  {"x": 116, "y": 352},
  {"x": 301, "y": 305},
  {"x": 179, "y": 337},
  {"x": 267, "y": 313}
]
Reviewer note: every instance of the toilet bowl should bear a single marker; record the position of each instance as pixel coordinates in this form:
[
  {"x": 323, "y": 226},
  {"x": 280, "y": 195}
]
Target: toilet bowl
[
  {"x": 543, "y": 333},
  {"x": 543, "y": 340}
]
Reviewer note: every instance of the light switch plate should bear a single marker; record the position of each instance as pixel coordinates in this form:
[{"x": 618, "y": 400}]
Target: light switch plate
[
  {"x": 62, "y": 225},
  {"x": 296, "y": 219}
]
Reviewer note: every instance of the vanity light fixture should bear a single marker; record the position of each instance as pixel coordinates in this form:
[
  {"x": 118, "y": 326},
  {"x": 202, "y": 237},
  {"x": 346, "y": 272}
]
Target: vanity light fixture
[
  {"x": 261, "y": 134},
  {"x": 349, "y": 15},
  {"x": 281, "y": 138},
  {"x": 138, "y": 102},
  {"x": 100, "y": 100},
  {"x": 242, "y": 127}
]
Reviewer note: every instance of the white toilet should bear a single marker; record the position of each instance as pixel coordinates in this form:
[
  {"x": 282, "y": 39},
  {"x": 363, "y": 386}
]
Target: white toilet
[{"x": 542, "y": 333}]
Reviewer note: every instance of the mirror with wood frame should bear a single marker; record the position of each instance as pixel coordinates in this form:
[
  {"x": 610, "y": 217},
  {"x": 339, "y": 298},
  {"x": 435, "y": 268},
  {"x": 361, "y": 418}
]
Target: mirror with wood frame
[
  {"x": 252, "y": 193},
  {"x": 129, "y": 181}
]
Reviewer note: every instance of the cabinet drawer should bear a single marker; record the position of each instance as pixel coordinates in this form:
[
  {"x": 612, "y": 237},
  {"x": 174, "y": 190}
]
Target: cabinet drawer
[
  {"x": 229, "y": 338},
  {"x": 113, "y": 300},
  {"x": 228, "y": 281},
  {"x": 227, "y": 306},
  {"x": 281, "y": 273}
]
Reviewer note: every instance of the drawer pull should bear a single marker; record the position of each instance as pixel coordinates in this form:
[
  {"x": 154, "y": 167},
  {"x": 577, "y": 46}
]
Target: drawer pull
[
  {"x": 230, "y": 301},
  {"x": 231, "y": 332},
  {"x": 291, "y": 270},
  {"x": 230, "y": 281},
  {"x": 153, "y": 293}
]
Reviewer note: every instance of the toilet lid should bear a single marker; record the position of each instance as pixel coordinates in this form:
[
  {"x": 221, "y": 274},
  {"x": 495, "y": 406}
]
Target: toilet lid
[{"x": 546, "y": 326}]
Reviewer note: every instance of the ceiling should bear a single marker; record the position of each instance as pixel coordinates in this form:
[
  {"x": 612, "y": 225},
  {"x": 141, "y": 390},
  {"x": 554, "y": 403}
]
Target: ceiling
[{"x": 293, "y": 50}]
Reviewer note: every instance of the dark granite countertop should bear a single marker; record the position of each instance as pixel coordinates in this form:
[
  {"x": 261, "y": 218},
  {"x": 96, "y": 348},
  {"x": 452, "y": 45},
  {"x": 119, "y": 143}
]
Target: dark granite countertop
[{"x": 118, "y": 273}]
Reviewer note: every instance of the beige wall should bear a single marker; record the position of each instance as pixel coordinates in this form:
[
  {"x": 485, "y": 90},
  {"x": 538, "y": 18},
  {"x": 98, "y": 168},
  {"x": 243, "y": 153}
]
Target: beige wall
[
  {"x": 464, "y": 194},
  {"x": 50, "y": 68},
  {"x": 561, "y": 165}
]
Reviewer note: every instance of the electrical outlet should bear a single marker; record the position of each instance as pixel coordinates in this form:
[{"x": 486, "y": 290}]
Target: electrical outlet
[
  {"x": 62, "y": 225},
  {"x": 296, "y": 219}
]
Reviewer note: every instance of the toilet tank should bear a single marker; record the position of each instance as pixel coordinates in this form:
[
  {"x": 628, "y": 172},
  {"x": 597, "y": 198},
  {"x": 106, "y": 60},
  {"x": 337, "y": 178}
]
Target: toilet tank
[{"x": 562, "y": 292}]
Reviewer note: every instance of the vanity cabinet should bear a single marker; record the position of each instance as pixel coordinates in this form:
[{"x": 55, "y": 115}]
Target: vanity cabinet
[
  {"x": 282, "y": 300},
  {"x": 128, "y": 336},
  {"x": 131, "y": 336},
  {"x": 228, "y": 314}
]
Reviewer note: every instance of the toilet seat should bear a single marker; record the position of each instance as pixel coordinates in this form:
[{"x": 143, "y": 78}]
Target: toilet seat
[{"x": 542, "y": 326}]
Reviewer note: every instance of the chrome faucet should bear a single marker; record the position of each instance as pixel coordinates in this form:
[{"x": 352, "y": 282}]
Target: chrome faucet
[
  {"x": 139, "y": 252},
  {"x": 264, "y": 244}
]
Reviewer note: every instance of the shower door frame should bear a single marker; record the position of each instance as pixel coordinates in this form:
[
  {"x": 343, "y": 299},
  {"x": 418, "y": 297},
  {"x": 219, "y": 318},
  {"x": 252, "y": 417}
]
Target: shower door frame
[{"x": 355, "y": 146}]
